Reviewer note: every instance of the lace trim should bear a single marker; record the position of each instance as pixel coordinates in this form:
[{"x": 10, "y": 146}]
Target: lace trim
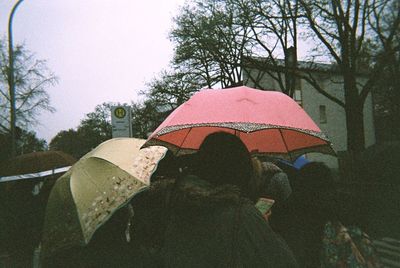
[{"x": 240, "y": 126}]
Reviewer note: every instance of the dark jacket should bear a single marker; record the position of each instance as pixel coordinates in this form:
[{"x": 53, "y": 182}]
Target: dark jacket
[{"x": 208, "y": 226}]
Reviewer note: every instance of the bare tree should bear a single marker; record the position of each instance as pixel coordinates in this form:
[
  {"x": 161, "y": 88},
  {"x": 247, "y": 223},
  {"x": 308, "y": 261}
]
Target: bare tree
[
  {"x": 31, "y": 79},
  {"x": 172, "y": 88},
  {"x": 273, "y": 34},
  {"x": 210, "y": 43},
  {"x": 164, "y": 93}
]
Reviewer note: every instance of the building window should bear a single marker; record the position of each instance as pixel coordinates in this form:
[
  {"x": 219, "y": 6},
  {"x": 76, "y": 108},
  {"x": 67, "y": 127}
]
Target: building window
[
  {"x": 322, "y": 114},
  {"x": 297, "y": 96}
]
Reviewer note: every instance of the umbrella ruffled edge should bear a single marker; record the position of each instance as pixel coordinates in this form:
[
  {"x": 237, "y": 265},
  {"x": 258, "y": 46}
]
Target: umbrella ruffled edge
[
  {"x": 240, "y": 126},
  {"x": 290, "y": 156}
]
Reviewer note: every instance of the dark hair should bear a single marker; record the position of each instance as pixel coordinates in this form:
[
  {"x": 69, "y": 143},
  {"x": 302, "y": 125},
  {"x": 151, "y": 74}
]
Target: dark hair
[
  {"x": 224, "y": 159},
  {"x": 319, "y": 194},
  {"x": 316, "y": 176},
  {"x": 312, "y": 207}
]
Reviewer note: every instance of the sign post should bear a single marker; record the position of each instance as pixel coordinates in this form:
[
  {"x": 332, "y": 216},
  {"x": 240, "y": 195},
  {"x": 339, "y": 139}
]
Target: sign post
[{"x": 121, "y": 118}]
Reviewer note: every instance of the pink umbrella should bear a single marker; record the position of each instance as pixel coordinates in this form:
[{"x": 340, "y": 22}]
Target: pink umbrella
[{"x": 268, "y": 122}]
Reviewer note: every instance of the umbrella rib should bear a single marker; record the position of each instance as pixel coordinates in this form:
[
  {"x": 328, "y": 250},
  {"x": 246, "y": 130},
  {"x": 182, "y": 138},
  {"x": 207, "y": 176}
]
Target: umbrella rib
[
  {"x": 183, "y": 141},
  {"x": 284, "y": 142}
]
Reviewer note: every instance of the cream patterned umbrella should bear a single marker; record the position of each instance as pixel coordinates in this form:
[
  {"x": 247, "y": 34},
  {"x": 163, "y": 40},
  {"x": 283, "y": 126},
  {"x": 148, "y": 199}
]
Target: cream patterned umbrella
[{"x": 100, "y": 183}]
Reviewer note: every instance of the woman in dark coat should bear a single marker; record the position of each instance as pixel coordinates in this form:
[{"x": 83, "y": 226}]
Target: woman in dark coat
[
  {"x": 311, "y": 205},
  {"x": 210, "y": 220}
]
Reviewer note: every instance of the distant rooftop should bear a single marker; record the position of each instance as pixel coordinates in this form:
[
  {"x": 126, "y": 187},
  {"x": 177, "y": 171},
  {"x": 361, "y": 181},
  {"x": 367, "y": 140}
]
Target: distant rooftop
[{"x": 302, "y": 65}]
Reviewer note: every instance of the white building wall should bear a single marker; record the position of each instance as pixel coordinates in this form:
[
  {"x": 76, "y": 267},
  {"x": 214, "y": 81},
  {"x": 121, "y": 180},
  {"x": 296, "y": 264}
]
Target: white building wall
[{"x": 335, "y": 125}]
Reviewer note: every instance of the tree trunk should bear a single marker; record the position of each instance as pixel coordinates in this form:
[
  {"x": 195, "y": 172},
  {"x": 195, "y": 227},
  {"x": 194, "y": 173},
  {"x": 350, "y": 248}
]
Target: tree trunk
[{"x": 354, "y": 124}]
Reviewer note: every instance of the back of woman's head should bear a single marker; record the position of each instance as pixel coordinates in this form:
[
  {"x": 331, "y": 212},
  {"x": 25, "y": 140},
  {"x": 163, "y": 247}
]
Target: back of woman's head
[
  {"x": 224, "y": 159},
  {"x": 316, "y": 176},
  {"x": 317, "y": 187}
]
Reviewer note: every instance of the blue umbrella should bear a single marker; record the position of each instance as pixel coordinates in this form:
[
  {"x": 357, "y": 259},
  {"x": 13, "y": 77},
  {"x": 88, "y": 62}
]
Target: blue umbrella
[{"x": 298, "y": 164}]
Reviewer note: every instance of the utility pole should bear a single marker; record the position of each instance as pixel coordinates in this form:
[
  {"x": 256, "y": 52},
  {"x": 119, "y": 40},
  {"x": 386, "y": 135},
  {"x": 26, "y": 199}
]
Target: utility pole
[{"x": 11, "y": 81}]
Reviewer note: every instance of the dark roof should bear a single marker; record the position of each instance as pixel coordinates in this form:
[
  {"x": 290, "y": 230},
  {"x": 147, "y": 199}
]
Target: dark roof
[{"x": 258, "y": 62}]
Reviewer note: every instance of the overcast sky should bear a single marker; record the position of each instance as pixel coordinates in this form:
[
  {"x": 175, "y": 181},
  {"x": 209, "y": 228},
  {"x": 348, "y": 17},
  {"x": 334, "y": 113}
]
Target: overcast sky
[{"x": 101, "y": 50}]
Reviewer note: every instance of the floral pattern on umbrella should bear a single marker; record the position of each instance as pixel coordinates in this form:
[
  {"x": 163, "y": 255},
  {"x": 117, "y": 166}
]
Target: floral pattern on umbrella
[{"x": 94, "y": 188}]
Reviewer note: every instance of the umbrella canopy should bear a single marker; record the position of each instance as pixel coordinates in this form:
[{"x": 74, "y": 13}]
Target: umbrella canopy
[
  {"x": 94, "y": 188},
  {"x": 35, "y": 162},
  {"x": 268, "y": 122}
]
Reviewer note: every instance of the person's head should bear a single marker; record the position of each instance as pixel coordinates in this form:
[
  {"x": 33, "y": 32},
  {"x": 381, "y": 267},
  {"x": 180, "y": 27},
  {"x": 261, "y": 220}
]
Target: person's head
[
  {"x": 317, "y": 189},
  {"x": 279, "y": 188},
  {"x": 167, "y": 167},
  {"x": 274, "y": 183},
  {"x": 316, "y": 177},
  {"x": 224, "y": 159}
]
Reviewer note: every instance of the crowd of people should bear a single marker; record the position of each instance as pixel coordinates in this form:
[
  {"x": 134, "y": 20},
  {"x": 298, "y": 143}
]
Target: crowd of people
[{"x": 220, "y": 207}]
